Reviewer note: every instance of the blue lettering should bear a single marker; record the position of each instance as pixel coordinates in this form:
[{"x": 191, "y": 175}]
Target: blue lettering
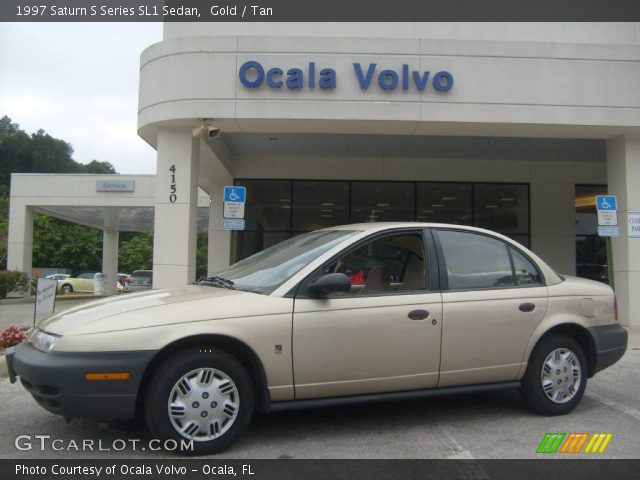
[
  {"x": 271, "y": 81},
  {"x": 405, "y": 77},
  {"x": 295, "y": 78},
  {"x": 362, "y": 80},
  {"x": 244, "y": 70},
  {"x": 386, "y": 75},
  {"x": 327, "y": 78},
  {"x": 312, "y": 75},
  {"x": 442, "y": 81},
  {"x": 420, "y": 81}
]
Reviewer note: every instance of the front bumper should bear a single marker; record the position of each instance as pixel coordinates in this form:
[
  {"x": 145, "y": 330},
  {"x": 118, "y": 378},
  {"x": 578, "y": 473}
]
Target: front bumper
[
  {"x": 56, "y": 380},
  {"x": 610, "y": 342}
]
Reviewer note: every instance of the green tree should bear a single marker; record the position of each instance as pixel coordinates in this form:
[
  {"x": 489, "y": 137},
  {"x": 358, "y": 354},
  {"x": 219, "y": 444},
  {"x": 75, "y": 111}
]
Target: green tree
[
  {"x": 35, "y": 153},
  {"x": 61, "y": 244},
  {"x": 94, "y": 166},
  {"x": 202, "y": 255},
  {"x": 136, "y": 253}
]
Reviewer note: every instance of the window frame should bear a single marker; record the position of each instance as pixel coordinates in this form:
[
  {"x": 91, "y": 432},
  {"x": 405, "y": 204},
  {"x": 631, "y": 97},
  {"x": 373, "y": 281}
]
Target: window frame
[
  {"x": 442, "y": 264},
  {"x": 301, "y": 290}
]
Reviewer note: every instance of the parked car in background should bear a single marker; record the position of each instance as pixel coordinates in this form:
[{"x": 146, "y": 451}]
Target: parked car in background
[
  {"x": 139, "y": 280},
  {"x": 123, "y": 277},
  {"x": 58, "y": 276},
  {"x": 429, "y": 309},
  {"x": 83, "y": 283}
]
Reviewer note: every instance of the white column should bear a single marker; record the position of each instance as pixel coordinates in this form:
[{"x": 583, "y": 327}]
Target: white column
[
  {"x": 110, "y": 235},
  {"x": 175, "y": 232},
  {"x": 623, "y": 174},
  {"x": 553, "y": 224},
  {"x": 20, "y": 241}
]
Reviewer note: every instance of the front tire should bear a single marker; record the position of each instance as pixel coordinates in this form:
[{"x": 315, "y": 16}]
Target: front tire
[
  {"x": 200, "y": 394},
  {"x": 556, "y": 376}
]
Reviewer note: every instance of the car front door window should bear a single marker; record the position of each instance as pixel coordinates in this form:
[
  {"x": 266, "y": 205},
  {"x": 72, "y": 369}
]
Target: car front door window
[{"x": 394, "y": 263}]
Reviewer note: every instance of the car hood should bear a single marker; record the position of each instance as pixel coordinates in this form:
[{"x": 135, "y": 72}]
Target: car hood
[{"x": 149, "y": 308}]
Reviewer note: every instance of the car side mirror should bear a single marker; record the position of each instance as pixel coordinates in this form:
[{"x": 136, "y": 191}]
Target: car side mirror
[{"x": 330, "y": 283}]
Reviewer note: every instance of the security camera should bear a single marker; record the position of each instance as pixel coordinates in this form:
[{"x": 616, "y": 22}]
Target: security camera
[
  {"x": 212, "y": 132},
  {"x": 206, "y": 131}
]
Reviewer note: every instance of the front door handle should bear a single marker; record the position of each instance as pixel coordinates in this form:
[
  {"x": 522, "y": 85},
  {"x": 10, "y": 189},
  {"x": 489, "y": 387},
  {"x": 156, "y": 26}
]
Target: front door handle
[
  {"x": 418, "y": 314},
  {"x": 527, "y": 307}
]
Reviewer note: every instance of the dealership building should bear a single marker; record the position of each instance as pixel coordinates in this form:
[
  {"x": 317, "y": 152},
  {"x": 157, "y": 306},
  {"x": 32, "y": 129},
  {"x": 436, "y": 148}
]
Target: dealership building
[{"x": 511, "y": 127}]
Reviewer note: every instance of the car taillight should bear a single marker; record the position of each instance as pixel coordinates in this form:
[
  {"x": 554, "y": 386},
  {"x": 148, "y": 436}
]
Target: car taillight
[{"x": 615, "y": 308}]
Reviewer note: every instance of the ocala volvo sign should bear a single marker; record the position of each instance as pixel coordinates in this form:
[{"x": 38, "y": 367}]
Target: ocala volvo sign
[{"x": 253, "y": 75}]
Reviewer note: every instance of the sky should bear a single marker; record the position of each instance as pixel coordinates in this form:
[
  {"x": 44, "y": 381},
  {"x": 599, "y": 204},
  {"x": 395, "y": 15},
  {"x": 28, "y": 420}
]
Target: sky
[{"x": 79, "y": 83}]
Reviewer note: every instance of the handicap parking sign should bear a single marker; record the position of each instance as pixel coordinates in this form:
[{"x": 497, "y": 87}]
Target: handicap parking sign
[
  {"x": 606, "y": 202},
  {"x": 235, "y": 194}
]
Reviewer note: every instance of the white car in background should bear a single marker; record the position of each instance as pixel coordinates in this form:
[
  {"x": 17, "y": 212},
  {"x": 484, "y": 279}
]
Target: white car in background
[
  {"x": 83, "y": 283},
  {"x": 58, "y": 276}
]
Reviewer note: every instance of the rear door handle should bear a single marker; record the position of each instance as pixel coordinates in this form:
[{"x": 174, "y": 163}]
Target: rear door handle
[
  {"x": 527, "y": 307},
  {"x": 418, "y": 314}
]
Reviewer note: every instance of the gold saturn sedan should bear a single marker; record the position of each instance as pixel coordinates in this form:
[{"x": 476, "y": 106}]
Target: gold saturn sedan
[{"x": 348, "y": 314}]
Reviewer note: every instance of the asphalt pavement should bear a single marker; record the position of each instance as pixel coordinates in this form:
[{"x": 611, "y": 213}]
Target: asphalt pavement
[{"x": 472, "y": 426}]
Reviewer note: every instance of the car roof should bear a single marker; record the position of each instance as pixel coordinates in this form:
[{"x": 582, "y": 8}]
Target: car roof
[{"x": 364, "y": 227}]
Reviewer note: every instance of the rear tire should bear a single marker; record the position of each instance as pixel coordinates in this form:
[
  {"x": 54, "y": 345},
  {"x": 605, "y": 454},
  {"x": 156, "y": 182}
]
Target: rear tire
[
  {"x": 556, "y": 376},
  {"x": 66, "y": 288},
  {"x": 199, "y": 394}
]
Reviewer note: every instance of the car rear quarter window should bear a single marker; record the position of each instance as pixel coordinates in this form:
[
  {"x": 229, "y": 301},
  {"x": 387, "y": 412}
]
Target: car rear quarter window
[
  {"x": 475, "y": 261},
  {"x": 526, "y": 272}
]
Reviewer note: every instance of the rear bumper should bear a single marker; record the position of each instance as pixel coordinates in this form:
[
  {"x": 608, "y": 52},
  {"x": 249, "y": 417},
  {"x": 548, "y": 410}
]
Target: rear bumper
[
  {"x": 56, "y": 380},
  {"x": 611, "y": 344}
]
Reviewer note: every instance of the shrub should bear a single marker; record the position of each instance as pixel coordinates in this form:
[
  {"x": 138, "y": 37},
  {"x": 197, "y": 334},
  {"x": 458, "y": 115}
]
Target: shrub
[
  {"x": 11, "y": 336},
  {"x": 12, "y": 281}
]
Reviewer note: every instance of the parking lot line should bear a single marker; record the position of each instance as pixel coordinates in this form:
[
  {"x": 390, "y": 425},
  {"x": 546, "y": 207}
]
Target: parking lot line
[{"x": 632, "y": 412}]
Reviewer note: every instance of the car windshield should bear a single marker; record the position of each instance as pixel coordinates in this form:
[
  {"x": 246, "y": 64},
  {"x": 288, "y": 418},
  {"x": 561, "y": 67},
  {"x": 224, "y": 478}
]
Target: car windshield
[{"x": 267, "y": 270}]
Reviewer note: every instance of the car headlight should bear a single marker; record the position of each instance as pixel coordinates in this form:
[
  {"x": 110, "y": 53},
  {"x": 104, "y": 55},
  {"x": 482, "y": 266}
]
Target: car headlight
[{"x": 43, "y": 341}]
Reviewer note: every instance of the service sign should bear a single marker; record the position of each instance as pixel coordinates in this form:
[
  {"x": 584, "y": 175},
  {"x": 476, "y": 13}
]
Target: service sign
[{"x": 115, "y": 185}]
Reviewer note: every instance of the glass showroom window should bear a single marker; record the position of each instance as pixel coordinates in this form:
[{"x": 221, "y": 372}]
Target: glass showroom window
[
  {"x": 280, "y": 209},
  {"x": 591, "y": 250},
  {"x": 382, "y": 202},
  {"x": 504, "y": 208},
  {"x": 267, "y": 216},
  {"x": 319, "y": 204},
  {"x": 445, "y": 203}
]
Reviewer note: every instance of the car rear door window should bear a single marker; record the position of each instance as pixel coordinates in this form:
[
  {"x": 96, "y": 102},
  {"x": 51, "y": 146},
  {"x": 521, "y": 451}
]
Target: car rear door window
[{"x": 475, "y": 261}]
